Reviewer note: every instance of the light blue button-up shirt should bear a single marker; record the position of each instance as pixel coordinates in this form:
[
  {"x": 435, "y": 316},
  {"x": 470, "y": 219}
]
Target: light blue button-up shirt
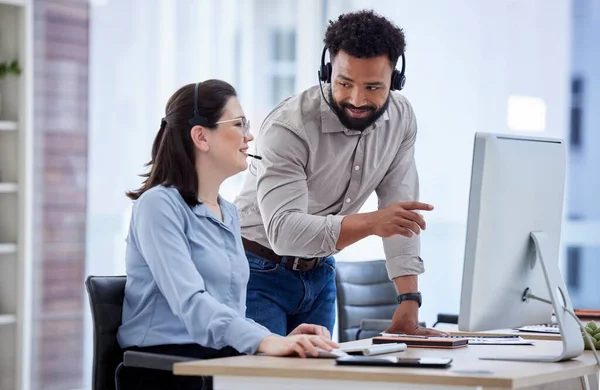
[{"x": 186, "y": 276}]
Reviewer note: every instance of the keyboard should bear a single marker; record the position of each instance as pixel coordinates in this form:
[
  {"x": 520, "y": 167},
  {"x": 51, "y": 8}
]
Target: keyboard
[{"x": 542, "y": 328}]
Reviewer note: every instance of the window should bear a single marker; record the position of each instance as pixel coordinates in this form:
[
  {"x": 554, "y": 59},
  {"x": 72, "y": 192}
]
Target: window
[
  {"x": 284, "y": 45},
  {"x": 573, "y": 268},
  {"x": 282, "y": 64},
  {"x": 576, "y": 113},
  {"x": 581, "y": 231},
  {"x": 282, "y": 88}
]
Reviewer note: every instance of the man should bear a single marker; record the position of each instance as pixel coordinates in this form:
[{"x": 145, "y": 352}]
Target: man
[{"x": 323, "y": 153}]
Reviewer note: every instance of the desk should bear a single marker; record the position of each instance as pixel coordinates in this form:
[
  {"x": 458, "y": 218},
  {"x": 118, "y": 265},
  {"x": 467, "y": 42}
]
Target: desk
[{"x": 467, "y": 371}]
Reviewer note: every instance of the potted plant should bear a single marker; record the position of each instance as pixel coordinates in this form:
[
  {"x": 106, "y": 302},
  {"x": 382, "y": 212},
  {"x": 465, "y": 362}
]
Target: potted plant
[
  {"x": 594, "y": 332},
  {"x": 6, "y": 69}
]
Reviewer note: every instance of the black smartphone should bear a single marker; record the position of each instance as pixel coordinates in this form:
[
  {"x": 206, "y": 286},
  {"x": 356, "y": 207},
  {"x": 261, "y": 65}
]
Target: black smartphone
[{"x": 394, "y": 361}]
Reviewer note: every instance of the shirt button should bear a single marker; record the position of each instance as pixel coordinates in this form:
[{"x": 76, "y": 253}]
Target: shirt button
[
  {"x": 356, "y": 168},
  {"x": 348, "y": 200}
]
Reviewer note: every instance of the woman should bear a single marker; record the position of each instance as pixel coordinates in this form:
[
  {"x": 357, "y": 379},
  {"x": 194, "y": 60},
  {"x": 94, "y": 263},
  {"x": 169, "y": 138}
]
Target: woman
[{"x": 186, "y": 268}]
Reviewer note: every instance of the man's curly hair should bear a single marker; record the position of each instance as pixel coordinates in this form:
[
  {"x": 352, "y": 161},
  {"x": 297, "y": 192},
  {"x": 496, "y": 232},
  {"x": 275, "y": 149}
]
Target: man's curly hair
[{"x": 365, "y": 34}]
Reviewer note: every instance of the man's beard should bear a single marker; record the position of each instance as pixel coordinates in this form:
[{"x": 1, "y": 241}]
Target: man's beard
[{"x": 359, "y": 124}]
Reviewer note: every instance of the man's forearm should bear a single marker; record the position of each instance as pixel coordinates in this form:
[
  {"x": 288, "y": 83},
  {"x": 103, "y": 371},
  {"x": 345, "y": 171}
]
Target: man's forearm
[
  {"x": 407, "y": 284},
  {"x": 354, "y": 228},
  {"x": 406, "y": 317},
  {"x": 303, "y": 235}
]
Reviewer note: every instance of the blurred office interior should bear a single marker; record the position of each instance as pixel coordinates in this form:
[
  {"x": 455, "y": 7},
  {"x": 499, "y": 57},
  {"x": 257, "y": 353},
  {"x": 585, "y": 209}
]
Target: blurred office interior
[{"x": 99, "y": 73}]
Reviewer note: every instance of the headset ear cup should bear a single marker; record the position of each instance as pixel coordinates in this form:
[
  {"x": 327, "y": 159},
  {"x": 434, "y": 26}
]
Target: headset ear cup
[
  {"x": 398, "y": 80},
  {"x": 328, "y": 72},
  {"x": 323, "y": 73}
]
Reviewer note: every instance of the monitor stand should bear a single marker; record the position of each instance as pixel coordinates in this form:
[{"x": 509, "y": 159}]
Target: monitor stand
[{"x": 572, "y": 341}]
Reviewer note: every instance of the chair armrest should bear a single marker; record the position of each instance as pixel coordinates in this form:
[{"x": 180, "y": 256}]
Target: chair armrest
[
  {"x": 446, "y": 319},
  {"x": 154, "y": 361},
  {"x": 371, "y": 327},
  {"x": 375, "y": 325}
]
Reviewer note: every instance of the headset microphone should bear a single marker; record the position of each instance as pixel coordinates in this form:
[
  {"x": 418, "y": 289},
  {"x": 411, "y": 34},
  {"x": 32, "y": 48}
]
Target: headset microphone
[{"x": 255, "y": 156}]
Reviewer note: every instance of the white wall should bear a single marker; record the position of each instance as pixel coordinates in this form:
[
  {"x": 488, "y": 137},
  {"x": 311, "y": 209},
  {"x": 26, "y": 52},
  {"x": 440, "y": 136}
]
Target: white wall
[
  {"x": 464, "y": 59},
  {"x": 586, "y": 62}
]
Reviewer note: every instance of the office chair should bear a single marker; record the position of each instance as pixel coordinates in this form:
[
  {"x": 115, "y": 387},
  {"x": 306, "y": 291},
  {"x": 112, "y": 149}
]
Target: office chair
[
  {"x": 366, "y": 299},
  {"x": 443, "y": 318},
  {"x": 106, "y": 294}
]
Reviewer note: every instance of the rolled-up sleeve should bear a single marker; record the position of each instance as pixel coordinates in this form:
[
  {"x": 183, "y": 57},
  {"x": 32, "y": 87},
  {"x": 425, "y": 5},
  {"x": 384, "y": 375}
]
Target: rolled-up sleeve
[
  {"x": 160, "y": 235},
  {"x": 283, "y": 197},
  {"x": 400, "y": 184}
]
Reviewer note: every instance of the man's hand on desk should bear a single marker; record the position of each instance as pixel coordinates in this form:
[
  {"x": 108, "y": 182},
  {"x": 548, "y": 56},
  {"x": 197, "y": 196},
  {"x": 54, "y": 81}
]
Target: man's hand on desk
[
  {"x": 406, "y": 321},
  {"x": 311, "y": 329}
]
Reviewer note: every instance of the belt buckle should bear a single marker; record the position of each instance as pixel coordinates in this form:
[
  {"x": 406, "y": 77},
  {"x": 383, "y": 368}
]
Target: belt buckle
[{"x": 295, "y": 265}]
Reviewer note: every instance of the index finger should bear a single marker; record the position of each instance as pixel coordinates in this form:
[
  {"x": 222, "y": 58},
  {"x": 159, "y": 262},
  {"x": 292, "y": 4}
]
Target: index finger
[
  {"x": 417, "y": 206},
  {"x": 332, "y": 343},
  {"x": 313, "y": 329},
  {"x": 323, "y": 331},
  {"x": 323, "y": 343}
]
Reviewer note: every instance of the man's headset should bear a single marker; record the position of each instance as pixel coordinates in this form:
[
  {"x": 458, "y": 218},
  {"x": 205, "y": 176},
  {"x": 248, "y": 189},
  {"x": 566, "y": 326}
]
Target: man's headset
[
  {"x": 398, "y": 77},
  {"x": 199, "y": 120}
]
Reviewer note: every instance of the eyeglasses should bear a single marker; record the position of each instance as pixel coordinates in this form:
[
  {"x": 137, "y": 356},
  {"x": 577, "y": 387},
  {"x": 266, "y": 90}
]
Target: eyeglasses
[{"x": 245, "y": 128}]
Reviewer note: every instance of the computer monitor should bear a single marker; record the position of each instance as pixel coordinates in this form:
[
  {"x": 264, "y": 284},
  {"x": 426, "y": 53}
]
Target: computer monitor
[{"x": 513, "y": 240}]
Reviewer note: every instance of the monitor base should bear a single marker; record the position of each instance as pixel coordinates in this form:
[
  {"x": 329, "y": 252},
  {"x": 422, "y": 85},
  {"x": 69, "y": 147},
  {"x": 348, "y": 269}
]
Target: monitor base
[{"x": 572, "y": 341}]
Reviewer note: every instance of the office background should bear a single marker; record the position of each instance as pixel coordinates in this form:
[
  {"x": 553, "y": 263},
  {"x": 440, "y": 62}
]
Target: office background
[{"x": 105, "y": 68}]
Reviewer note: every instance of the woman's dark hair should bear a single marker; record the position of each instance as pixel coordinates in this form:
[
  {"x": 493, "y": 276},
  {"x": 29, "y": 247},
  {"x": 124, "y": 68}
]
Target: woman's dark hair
[
  {"x": 172, "y": 161},
  {"x": 365, "y": 34}
]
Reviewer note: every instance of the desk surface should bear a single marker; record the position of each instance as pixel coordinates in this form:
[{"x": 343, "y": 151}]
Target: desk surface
[{"x": 466, "y": 370}]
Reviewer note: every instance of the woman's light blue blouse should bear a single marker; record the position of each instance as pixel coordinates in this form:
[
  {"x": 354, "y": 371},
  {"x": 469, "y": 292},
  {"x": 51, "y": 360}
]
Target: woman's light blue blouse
[{"x": 186, "y": 276}]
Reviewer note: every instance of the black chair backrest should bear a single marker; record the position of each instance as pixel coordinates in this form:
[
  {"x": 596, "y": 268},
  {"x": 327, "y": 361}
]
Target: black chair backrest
[
  {"x": 106, "y": 295},
  {"x": 364, "y": 291}
]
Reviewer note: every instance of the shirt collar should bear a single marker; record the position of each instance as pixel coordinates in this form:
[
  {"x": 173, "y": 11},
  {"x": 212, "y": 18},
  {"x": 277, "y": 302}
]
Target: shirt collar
[
  {"x": 202, "y": 211},
  {"x": 330, "y": 123}
]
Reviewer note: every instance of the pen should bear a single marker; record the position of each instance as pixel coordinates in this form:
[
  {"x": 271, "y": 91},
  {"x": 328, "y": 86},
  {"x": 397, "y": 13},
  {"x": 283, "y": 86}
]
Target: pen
[{"x": 383, "y": 349}]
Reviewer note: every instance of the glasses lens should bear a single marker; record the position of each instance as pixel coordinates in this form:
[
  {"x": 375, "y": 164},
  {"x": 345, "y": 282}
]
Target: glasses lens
[{"x": 246, "y": 126}]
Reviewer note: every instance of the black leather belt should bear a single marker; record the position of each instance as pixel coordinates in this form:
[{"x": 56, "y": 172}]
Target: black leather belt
[{"x": 293, "y": 263}]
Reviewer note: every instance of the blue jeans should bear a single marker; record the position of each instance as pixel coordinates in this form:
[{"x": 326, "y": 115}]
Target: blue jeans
[{"x": 281, "y": 299}]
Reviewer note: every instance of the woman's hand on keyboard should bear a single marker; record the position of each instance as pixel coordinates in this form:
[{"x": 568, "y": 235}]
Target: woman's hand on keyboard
[{"x": 299, "y": 344}]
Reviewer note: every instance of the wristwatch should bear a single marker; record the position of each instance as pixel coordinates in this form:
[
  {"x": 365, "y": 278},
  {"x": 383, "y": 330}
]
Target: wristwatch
[{"x": 410, "y": 297}]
